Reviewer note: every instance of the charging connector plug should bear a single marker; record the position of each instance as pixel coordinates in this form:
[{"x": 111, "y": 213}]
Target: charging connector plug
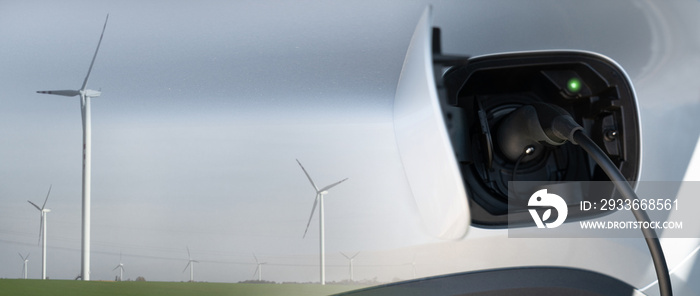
[{"x": 539, "y": 123}]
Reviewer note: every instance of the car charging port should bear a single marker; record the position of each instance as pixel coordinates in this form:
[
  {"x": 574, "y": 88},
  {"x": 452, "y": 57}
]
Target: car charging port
[{"x": 481, "y": 98}]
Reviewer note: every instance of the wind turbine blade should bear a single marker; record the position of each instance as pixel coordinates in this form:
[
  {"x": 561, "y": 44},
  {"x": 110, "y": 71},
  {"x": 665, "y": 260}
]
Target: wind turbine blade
[
  {"x": 353, "y": 256},
  {"x": 311, "y": 216},
  {"x": 115, "y": 268},
  {"x": 94, "y": 56},
  {"x": 333, "y": 185},
  {"x": 307, "y": 175},
  {"x": 256, "y": 258},
  {"x": 186, "y": 266},
  {"x": 37, "y": 207},
  {"x": 20, "y": 256},
  {"x": 188, "y": 253},
  {"x": 256, "y": 270},
  {"x": 47, "y": 197},
  {"x": 66, "y": 93},
  {"x": 346, "y": 256}
]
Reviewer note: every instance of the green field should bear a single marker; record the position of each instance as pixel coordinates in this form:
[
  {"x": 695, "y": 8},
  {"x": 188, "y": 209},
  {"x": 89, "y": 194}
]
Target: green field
[{"x": 78, "y": 288}]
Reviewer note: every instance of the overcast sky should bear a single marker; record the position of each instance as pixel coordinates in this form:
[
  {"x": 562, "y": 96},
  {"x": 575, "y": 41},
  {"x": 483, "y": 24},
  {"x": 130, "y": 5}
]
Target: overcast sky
[{"x": 205, "y": 106}]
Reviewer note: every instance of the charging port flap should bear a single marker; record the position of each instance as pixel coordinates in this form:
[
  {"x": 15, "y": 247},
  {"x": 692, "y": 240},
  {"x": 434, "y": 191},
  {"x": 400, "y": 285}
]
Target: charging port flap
[{"x": 423, "y": 142}]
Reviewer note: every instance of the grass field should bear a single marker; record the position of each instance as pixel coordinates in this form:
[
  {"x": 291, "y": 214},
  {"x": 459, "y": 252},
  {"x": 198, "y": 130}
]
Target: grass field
[{"x": 78, "y": 288}]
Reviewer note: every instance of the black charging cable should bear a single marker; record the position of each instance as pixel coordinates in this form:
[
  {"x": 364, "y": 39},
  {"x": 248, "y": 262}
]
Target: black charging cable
[
  {"x": 657, "y": 253},
  {"x": 541, "y": 122}
]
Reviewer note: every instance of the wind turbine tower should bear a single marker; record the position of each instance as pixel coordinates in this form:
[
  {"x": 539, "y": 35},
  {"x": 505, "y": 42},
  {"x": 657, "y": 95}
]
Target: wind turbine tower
[
  {"x": 121, "y": 268},
  {"x": 24, "y": 269},
  {"x": 413, "y": 265},
  {"x": 190, "y": 264},
  {"x": 320, "y": 193},
  {"x": 85, "y": 95},
  {"x": 42, "y": 232},
  {"x": 350, "y": 258},
  {"x": 258, "y": 269}
]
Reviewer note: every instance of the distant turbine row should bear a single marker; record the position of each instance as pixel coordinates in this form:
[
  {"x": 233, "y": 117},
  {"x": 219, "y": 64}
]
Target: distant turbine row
[{"x": 258, "y": 269}]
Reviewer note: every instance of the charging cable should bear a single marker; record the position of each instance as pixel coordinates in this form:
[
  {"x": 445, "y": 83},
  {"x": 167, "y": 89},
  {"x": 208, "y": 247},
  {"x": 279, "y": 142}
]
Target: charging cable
[{"x": 541, "y": 122}]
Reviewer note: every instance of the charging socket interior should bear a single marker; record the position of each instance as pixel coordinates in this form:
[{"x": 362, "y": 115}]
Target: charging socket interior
[{"x": 478, "y": 95}]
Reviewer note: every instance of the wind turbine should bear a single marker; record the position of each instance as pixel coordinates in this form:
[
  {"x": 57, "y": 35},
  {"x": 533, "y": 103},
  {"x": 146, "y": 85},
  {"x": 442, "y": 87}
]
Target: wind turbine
[
  {"x": 258, "y": 269},
  {"x": 319, "y": 200},
  {"x": 350, "y": 258},
  {"x": 42, "y": 231},
  {"x": 121, "y": 267},
  {"x": 413, "y": 265},
  {"x": 190, "y": 264},
  {"x": 24, "y": 269},
  {"x": 85, "y": 95}
]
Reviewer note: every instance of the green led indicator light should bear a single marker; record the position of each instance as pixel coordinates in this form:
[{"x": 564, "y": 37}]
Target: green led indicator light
[{"x": 574, "y": 85}]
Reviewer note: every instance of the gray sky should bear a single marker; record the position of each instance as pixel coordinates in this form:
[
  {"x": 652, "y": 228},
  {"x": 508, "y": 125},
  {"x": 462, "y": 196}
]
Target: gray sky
[{"x": 206, "y": 105}]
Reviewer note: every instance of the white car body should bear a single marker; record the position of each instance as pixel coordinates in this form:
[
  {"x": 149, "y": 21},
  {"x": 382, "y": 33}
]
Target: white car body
[{"x": 625, "y": 259}]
